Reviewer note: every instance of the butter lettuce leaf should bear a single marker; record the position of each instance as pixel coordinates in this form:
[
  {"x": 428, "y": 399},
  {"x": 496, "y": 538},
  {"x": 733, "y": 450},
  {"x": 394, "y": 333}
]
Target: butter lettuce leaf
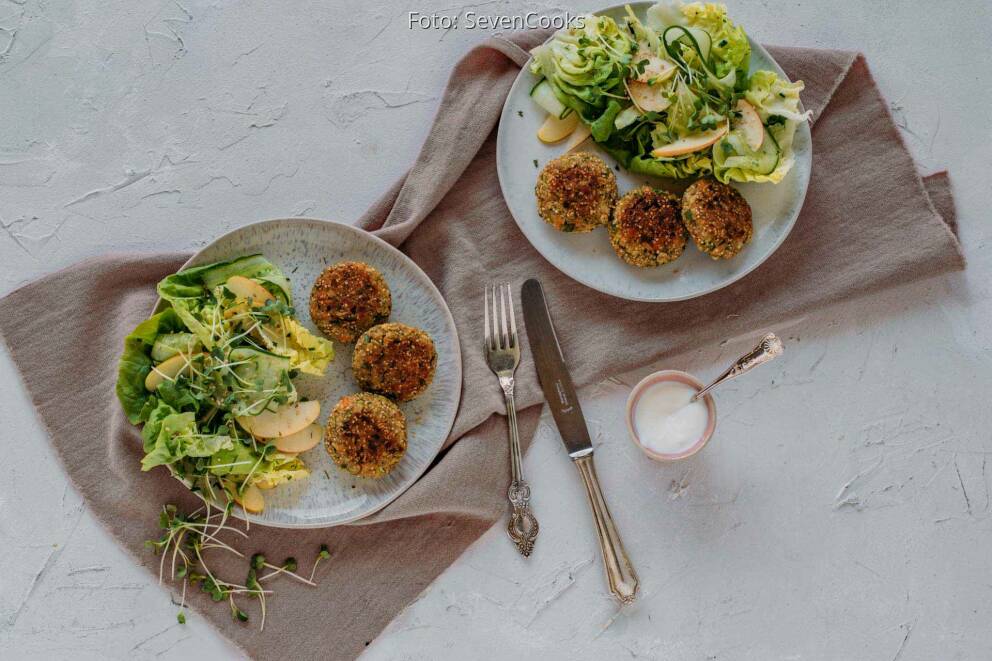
[
  {"x": 135, "y": 363},
  {"x": 176, "y": 437},
  {"x": 586, "y": 64},
  {"x": 777, "y": 103},
  {"x": 603, "y": 126},
  {"x": 729, "y": 49},
  {"x": 242, "y": 463},
  {"x": 307, "y": 352},
  {"x": 772, "y": 97}
]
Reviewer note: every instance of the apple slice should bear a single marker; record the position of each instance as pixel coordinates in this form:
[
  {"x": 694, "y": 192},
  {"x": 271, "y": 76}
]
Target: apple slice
[
  {"x": 579, "y": 135},
  {"x": 750, "y": 125},
  {"x": 691, "y": 143},
  {"x": 249, "y": 290},
  {"x": 168, "y": 370},
  {"x": 657, "y": 69},
  {"x": 301, "y": 441},
  {"x": 236, "y": 310},
  {"x": 554, "y": 129},
  {"x": 649, "y": 98},
  {"x": 284, "y": 421},
  {"x": 251, "y": 499}
]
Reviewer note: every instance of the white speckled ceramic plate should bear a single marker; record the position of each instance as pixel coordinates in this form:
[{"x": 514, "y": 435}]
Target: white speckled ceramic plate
[
  {"x": 302, "y": 248},
  {"x": 588, "y": 257}
]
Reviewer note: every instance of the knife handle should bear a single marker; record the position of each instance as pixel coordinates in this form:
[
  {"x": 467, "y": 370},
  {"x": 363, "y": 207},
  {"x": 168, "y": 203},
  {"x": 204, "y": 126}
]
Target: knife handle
[{"x": 619, "y": 572}]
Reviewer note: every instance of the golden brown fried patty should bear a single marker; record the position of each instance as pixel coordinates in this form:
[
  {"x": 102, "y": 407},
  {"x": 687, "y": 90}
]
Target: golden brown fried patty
[
  {"x": 366, "y": 435},
  {"x": 349, "y": 298},
  {"x": 646, "y": 229},
  {"x": 718, "y": 218},
  {"x": 394, "y": 360},
  {"x": 576, "y": 192}
]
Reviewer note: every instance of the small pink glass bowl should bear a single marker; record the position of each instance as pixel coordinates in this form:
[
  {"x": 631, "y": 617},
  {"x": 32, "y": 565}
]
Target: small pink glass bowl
[{"x": 669, "y": 375}]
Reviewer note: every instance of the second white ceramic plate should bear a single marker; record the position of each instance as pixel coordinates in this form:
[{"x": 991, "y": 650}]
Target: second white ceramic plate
[{"x": 588, "y": 257}]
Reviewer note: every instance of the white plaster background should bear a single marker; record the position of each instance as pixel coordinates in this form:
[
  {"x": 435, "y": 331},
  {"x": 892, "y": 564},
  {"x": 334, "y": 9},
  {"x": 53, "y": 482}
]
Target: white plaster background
[{"x": 843, "y": 510}]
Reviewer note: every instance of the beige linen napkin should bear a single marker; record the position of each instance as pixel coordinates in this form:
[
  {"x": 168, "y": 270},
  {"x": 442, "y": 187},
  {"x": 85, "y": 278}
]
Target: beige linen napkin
[{"x": 869, "y": 222}]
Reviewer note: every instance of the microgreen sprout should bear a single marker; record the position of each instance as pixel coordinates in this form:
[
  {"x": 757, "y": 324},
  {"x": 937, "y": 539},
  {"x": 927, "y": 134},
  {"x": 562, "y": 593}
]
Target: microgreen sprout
[
  {"x": 238, "y": 614},
  {"x": 323, "y": 554},
  {"x": 288, "y": 567},
  {"x": 181, "y": 615},
  {"x": 255, "y": 590}
]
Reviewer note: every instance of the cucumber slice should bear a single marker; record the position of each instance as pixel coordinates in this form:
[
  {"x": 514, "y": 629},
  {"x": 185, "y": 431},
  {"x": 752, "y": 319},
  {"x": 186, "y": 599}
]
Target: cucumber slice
[
  {"x": 168, "y": 345},
  {"x": 762, "y": 161},
  {"x": 697, "y": 39},
  {"x": 704, "y": 41},
  {"x": 767, "y": 157},
  {"x": 626, "y": 117},
  {"x": 545, "y": 97},
  {"x": 260, "y": 374}
]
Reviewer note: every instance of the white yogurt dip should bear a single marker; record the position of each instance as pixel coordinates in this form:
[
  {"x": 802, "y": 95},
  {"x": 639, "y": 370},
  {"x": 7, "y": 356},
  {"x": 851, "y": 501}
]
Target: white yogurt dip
[{"x": 666, "y": 420}]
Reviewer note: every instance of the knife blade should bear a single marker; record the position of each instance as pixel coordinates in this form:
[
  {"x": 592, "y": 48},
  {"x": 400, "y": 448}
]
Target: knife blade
[
  {"x": 564, "y": 404},
  {"x": 552, "y": 371}
]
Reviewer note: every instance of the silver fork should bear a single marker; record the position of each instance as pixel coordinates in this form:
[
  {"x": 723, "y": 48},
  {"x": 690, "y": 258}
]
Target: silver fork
[{"x": 503, "y": 356}]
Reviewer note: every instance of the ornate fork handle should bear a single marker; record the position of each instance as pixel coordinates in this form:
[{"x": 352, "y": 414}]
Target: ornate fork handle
[{"x": 523, "y": 526}]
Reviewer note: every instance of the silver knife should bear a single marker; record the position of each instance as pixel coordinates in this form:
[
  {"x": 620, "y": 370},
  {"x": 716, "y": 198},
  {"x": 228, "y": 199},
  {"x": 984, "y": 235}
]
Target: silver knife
[{"x": 560, "y": 395}]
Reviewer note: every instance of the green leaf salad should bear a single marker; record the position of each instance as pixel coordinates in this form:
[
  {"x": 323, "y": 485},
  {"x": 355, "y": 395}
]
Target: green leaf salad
[
  {"x": 195, "y": 375},
  {"x": 672, "y": 95}
]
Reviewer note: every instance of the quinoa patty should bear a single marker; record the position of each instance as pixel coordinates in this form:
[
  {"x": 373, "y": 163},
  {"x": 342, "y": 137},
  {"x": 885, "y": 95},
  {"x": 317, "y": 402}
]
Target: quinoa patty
[
  {"x": 576, "y": 192},
  {"x": 366, "y": 435},
  {"x": 718, "y": 218},
  {"x": 646, "y": 229},
  {"x": 349, "y": 298},
  {"x": 394, "y": 360}
]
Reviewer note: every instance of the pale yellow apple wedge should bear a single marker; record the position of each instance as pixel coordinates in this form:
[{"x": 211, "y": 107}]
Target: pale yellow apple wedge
[
  {"x": 284, "y": 421},
  {"x": 249, "y": 290},
  {"x": 579, "y": 135},
  {"x": 168, "y": 370},
  {"x": 251, "y": 499},
  {"x": 749, "y": 124},
  {"x": 301, "y": 441},
  {"x": 648, "y": 98},
  {"x": 691, "y": 143},
  {"x": 555, "y": 129},
  {"x": 656, "y": 70}
]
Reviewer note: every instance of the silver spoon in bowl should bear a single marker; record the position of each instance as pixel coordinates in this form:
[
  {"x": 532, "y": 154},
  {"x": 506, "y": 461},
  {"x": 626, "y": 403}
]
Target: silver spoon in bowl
[{"x": 770, "y": 347}]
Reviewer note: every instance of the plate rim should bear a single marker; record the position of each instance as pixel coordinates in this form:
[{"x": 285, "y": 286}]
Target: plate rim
[
  {"x": 504, "y": 119},
  {"x": 448, "y": 318}
]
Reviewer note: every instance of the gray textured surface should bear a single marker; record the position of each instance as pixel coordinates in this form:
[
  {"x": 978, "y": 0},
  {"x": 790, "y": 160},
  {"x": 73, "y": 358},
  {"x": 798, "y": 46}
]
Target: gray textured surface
[{"x": 842, "y": 510}]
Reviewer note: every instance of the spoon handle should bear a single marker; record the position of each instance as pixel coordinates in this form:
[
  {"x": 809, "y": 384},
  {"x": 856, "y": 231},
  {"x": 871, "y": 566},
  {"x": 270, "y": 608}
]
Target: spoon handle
[{"x": 769, "y": 347}]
